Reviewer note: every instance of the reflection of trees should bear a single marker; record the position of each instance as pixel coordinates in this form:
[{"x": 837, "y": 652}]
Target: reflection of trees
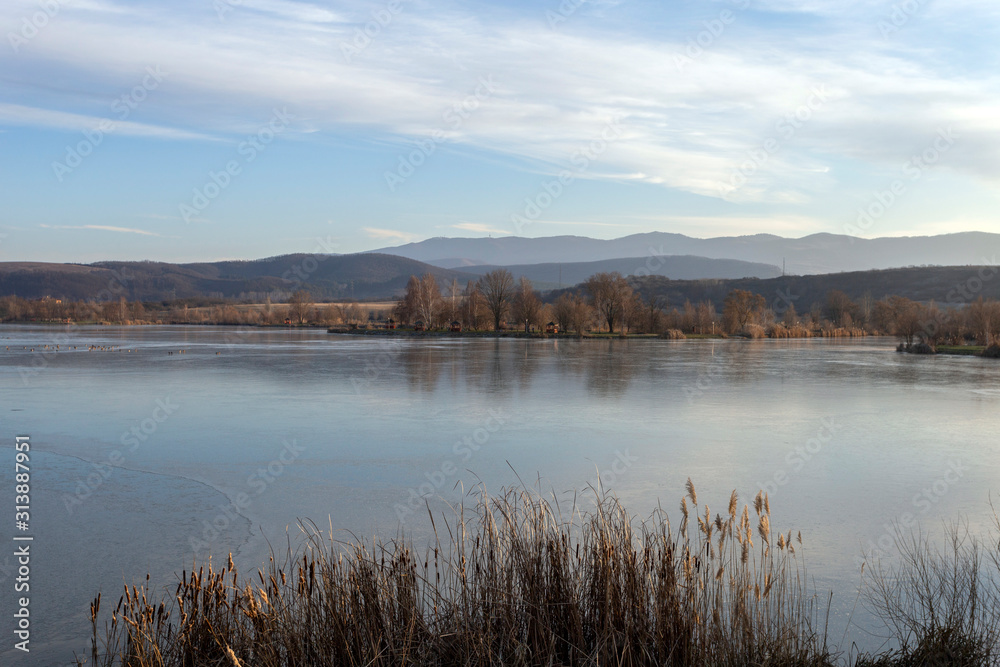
[
  {"x": 421, "y": 365},
  {"x": 489, "y": 365},
  {"x": 525, "y": 362},
  {"x": 610, "y": 366}
]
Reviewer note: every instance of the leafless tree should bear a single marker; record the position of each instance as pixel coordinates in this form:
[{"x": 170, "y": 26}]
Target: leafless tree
[
  {"x": 526, "y": 306},
  {"x": 497, "y": 288},
  {"x": 609, "y": 295},
  {"x": 905, "y": 317},
  {"x": 473, "y": 308},
  {"x": 299, "y": 305},
  {"x": 428, "y": 300},
  {"x": 741, "y": 309},
  {"x": 984, "y": 320}
]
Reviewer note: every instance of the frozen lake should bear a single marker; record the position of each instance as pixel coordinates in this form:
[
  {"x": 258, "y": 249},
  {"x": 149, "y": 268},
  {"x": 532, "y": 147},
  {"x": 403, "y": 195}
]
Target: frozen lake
[{"x": 152, "y": 446}]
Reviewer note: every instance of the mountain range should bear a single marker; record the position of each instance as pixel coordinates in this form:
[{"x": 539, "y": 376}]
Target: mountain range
[
  {"x": 818, "y": 253},
  {"x": 550, "y": 263}
]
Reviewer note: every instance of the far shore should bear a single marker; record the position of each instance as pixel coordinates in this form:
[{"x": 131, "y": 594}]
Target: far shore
[{"x": 408, "y": 332}]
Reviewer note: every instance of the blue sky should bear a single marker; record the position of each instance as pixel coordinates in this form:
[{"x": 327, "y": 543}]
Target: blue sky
[{"x": 208, "y": 129}]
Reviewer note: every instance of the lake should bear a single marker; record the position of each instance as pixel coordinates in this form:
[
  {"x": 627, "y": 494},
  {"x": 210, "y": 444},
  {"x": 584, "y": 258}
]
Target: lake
[{"x": 153, "y": 446}]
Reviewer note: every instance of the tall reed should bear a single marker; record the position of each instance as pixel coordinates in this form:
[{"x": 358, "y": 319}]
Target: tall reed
[{"x": 511, "y": 580}]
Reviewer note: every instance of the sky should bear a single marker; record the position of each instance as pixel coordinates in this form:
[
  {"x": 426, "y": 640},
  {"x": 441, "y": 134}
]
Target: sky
[{"x": 196, "y": 130}]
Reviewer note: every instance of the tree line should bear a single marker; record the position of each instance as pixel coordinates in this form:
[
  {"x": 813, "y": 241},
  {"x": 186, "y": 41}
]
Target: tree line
[{"x": 605, "y": 302}]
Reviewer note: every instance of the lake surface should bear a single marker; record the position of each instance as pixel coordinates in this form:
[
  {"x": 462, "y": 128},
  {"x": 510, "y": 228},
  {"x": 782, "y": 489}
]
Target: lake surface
[{"x": 144, "y": 437}]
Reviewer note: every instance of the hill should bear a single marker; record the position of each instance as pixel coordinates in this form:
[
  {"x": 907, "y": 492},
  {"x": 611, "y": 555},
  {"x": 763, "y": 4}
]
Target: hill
[
  {"x": 818, "y": 253},
  {"x": 947, "y": 285},
  {"x": 552, "y": 275},
  {"x": 362, "y": 276}
]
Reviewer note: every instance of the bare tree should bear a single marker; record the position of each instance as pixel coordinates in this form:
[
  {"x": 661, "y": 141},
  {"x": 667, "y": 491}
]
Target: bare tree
[
  {"x": 984, "y": 320},
  {"x": 428, "y": 302},
  {"x": 473, "y": 307},
  {"x": 741, "y": 309},
  {"x": 526, "y": 306},
  {"x": 905, "y": 317},
  {"x": 653, "y": 314},
  {"x": 299, "y": 305},
  {"x": 562, "y": 311},
  {"x": 497, "y": 288},
  {"x": 421, "y": 301},
  {"x": 840, "y": 309},
  {"x": 609, "y": 295}
]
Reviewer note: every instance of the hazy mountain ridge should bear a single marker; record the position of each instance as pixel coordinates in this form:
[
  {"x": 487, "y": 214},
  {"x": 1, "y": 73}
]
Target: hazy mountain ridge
[
  {"x": 325, "y": 276},
  {"x": 817, "y": 253}
]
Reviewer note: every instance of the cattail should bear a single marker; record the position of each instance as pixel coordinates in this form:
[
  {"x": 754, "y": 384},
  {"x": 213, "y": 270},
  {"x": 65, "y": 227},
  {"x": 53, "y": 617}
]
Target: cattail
[
  {"x": 733, "y": 504},
  {"x": 764, "y": 528},
  {"x": 684, "y": 508},
  {"x": 689, "y": 485},
  {"x": 758, "y": 502}
]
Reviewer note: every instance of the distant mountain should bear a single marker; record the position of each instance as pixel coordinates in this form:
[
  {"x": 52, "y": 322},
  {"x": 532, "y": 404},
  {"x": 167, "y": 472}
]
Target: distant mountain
[
  {"x": 361, "y": 276},
  {"x": 551, "y": 275},
  {"x": 818, "y": 253}
]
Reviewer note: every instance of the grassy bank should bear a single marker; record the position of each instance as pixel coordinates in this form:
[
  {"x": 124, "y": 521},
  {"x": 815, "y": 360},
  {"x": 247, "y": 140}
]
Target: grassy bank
[{"x": 516, "y": 582}]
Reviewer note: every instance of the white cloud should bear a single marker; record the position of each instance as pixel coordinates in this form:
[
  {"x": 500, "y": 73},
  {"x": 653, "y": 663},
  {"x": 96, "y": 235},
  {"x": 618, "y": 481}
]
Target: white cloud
[
  {"x": 388, "y": 234},
  {"x": 103, "y": 228},
  {"x": 16, "y": 114},
  {"x": 479, "y": 227},
  {"x": 685, "y": 127}
]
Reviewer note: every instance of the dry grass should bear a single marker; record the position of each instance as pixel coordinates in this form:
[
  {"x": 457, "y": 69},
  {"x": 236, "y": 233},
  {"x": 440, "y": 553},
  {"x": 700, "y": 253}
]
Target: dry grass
[
  {"x": 779, "y": 330},
  {"x": 940, "y": 605},
  {"x": 843, "y": 332},
  {"x": 515, "y": 582}
]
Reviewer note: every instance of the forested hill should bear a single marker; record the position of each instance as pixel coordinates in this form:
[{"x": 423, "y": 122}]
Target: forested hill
[
  {"x": 361, "y": 276},
  {"x": 944, "y": 284}
]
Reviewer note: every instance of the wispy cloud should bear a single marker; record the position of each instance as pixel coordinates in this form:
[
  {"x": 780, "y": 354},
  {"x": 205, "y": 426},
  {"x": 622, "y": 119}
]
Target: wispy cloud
[
  {"x": 103, "y": 228},
  {"x": 16, "y": 114},
  {"x": 388, "y": 234},
  {"x": 479, "y": 227}
]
